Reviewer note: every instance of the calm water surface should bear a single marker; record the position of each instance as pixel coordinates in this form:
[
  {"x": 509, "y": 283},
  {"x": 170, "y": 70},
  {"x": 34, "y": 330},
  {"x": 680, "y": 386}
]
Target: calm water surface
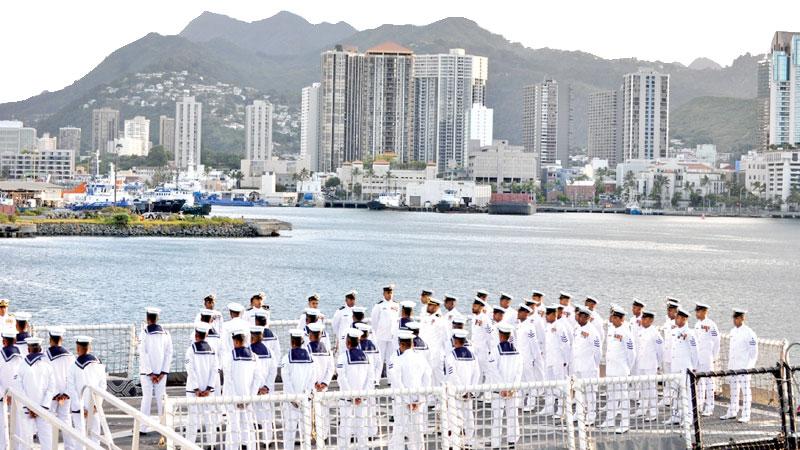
[{"x": 753, "y": 263}]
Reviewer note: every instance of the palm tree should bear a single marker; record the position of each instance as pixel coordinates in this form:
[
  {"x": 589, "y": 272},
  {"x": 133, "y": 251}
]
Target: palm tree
[
  {"x": 356, "y": 172},
  {"x": 388, "y": 177},
  {"x": 657, "y": 191},
  {"x": 629, "y": 183}
]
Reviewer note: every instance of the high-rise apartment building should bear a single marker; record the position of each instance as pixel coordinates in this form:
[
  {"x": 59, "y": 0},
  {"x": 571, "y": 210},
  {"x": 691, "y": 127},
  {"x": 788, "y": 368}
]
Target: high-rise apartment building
[
  {"x": 105, "y": 128},
  {"x": 14, "y": 137},
  {"x": 540, "y": 120},
  {"x": 258, "y": 131},
  {"x": 481, "y": 124},
  {"x": 341, "y": 92},
  {"x": 69, "y": 138},
  {"x": 166, "y": 133},
  {"x": 762, "y": 103},
  {"x": 188, "y": 133},
  {"x": 47, "y": 142},
  {"x": 784, "y": 89},
  {"x": 309, "y": 125},
  {"x": 645, "y": 115},
  {"x": 446, "y": 86},
  {"x": 605, "y": 137}
]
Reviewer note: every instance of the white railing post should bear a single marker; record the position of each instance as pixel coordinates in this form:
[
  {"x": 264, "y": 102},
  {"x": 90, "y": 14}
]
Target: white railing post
[
  {"x": 131, "y": 371},
  {"x": 568, "y": 415},
  {"x": 444, "y": 419},
  {"x": 308, "y": 408},
  {"x": 169, "y": 421},
  {"x": 580, "y": 410},
  {"x": 686, "y": 412}
]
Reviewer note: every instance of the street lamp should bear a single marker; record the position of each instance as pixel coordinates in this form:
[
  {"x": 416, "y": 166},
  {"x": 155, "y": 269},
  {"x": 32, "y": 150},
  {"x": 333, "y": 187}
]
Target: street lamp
[{"x": 114, "y": 179}]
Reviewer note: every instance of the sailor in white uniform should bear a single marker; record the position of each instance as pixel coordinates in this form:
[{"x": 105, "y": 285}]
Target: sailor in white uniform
[
  {"x": 557, "y": 356},
  {"x": 312, "y": 303},
  {"x": 202, "y": 379},
  {"x": 9, "y": 371},
  {"x": 505, "y": 302},
  {"x": 683, "y": 357},
  {"x": 507, "y": 370},
  {"x": 366, "y": 345},
  {"x": 526, "y": 339},
  {"x": 408, "y": 370},
  {"x": 236, "y": 322},
  {"x": 268, "y": 370},
  {"x": 648, "y": 359},
  {"x": 242, "y": 378},
  {"x": 37, "y": 382},
  {"x": 669, "y": 325},
  {"x": 450, "y": 311},
  {"x": 298, "y": 375},
  {"x": 420, "y": 345},
  {"x": 343, "y": 320},
  {"x": 462, "y": 371},
  {"x": 406, "y": 314},
  {"x": 434, "y": 330},
  {"x": 87, "y": 371},
  {"x": 424, "y": 296},
  {"x": 324, "y": 368},
  {"x": 565, "y": 300},
  {"x": 155, "y": 359},
  {"x": 708, "y": 340},
  {"x": 268, "y": 336},
  {"x": 385, "y": 317},
  {"x": 61, "y": 360},
  {"x": 590, "y": 303},
  {"x": 498, "y": 317},
  {"x": 620, "y": 358},
  {"x": 354, "y": 373},
  {"x": 257, "y": 303},
  {"x": 22, "y": 324},
  {"x": 315, "y": 316},
  {"x": 537, "y": 316},
  {"x": 742, "y": 354},
  {"x": 586, "y": 362}
]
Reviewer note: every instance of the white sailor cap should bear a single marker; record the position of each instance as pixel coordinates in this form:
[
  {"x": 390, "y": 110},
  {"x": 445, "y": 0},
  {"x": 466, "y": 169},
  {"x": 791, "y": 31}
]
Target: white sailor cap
[
  {"x": 537, "y": 293},
  {"x": 4, "y": 302},
  {"x": 34, "y": 341},
  {"x": 209, "y": 312},
  {"x": 260, "y": 313},
  {"x": 503, "y": 295},
  {"x": 211, "y": 296},
  {"x": 152, "y": 310},
  {"x": 314, "y": 296},
  {"x": 407, "y": 304},
  {"x": 637, "y": 302},
  {"x": 9, "y": 334},
  {"x": 313, "y": 312},
  {"x": 235, "y": 307},
  {"x": 351, "y": 293},
  {"x": 590, "y": 298},
  {"x": 202, "y": 327},
  {"x": 359, "y": 309},
  {"x": 482, "y": 292},
  {"x": 739, "y": 312},
  {"x": 672, "y": 304},
  {"x": 426, "y": 292},
  {"x": 405, "y": 335},
  {"x": 699, "y": 305},
  {"x": 363, "y": 327},
  {"x": 551, "y": 308},
  {"x": 648, "y": 313},
  {"x": 388, "y": 287},
  {"x": 613, "y": 306},
  {"x": 256, "y": 330},
  {"x": 459, "y": 320},
  {"x": 673, "y": 299},
  {"x": 412, "y": 325},
  {"x": 83, "y": 339},
  {"x": 449, "y": 297},
  {"x": 479, "y": 301},
  {"x": 564, "y": 294},
  {"x": 316, "y": 327},
  {"x": 354, "y": 333},
  {"x": 582, "y": 310},
  {"x": 239, "y": 332},
  {"x": 683, "y": 312},
  {"x": 498, "y": 308},
  {"x": 461, "y": 334},
  {"x": 524, "y": 307},
  {"x": 619, "y": 312},
  {"x": 505, "y": 327},
  {"x": 57, "y": 332},
  {"x": 296, "y": 332},
  {"x": 434, "y": 301},
  {"x": 23, "y": 316},
  {"x": 533, "y": 301}
]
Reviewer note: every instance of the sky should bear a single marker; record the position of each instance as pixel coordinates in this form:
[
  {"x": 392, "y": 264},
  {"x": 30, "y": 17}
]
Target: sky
[{"x": 51, "y": 43}]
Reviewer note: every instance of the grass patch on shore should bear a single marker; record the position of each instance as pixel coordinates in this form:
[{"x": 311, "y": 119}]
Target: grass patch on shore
[{"x": 123, "y": 220}]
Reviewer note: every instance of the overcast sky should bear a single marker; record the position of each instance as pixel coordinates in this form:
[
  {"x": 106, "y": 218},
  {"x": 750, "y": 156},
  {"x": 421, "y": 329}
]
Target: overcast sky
[{"x": 47, "y": 44}]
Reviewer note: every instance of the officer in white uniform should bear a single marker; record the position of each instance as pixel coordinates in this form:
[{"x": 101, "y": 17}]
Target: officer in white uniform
[
  {"x": 620, "y": 357},
  {"x": 354, "y": 373},
  {"x": 324, "y": 367},
  {"x": 526, "y": 339},
  {"x": 385, "y": 318},
  {"x": 648, "y": 359},
  {"x": 408, "y": 370},
  {"x": 155, "y": 358},
  {"x": 202, "y": 379},
  {"x": 742, "y": 354},
  {"x": 462, "y": 371},
  {"x": 557, "y": 355},
  {"x": 424, "y": 296},
  {"x": 268, "y": 368},
  {"x": 434, "y": 329},
  {"x": 586, "y": 362},
  {"x": 669, "y": 325},
  {"x": 343, "y": 320},
  {"x": 565, "y": 300},
  {"x": 6, "y": 319},
  {"x": 590, "y": 303},
  {"x": 450, "y": 312},
  {"x": 61, "y": 360},
  {"x": 22, "y": 324},
  {"x": 481, "y": 334},
  {"x": 508, "y": 370},
  {"x": 37, "y": 382},
  {"x": 505, "y": 302},
  {"x": 9, "y": 371},
  {"x": 707, "y": 335},
  {"x": 298, "y": 375},
  {"x": 256, "y": 304},
  {"x": 87, "y": 371},
  {"x": 683, "y": 358},
  {"x": 242, "y": 378}
]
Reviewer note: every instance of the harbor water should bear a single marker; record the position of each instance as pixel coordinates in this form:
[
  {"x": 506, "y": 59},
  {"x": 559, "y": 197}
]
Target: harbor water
[{"x": 726, "y": 262}]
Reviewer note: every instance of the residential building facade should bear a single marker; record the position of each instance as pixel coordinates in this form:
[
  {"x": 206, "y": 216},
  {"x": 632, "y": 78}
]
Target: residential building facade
[
  {"x": 69, "y": 138},
  {"x": 105, "y": 128},
  {"x": 784, "y": 89},
  {"x": 540, "y": 120},
  {"x": 258, "y": 130},
  {"x": 605, "y": 129},
  {"x": 309, "y": 125},
  {"x": 481, "y": 124},
  {"x": 188, "y": 133},
  {"x": 166, "y": 133},
  {"x": 502, "y": 163},
  {"x": 341, "y": 107},
  {"x": 645, "y": 115}
]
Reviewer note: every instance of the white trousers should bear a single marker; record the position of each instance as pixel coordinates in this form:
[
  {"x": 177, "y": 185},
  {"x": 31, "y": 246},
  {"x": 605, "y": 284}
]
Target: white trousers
[
  {"x": 740, "y": 383},
  {"x": 150, "y": 389},
  {"x": 62, "y": 412},
  {"x": 293, "y": 422},
  {"x": 618, "y": 403},
  {"x": 508, "y": 406},
  {"x": 705, "y": 388},
  {"x": 462, "y": 418},
  {"x": 4, "y": 432},
  {"x": 322, "y": 424},
  {"x": 385, "y": 348},
  {"x": 554, "y": 373},
  {"x": 648, "y": 394},
  {"x": 240, "y": 422},
  {"x": 40, "y": 428},
  {"x": 352, "y": 422},
  {"x": 79, "y": 423},
  {"x": 265, "y": 419},
  {"x": 409, "y": 424},
  {"x": 586, "y": 400},
  {"x": 205, "y": 420}
]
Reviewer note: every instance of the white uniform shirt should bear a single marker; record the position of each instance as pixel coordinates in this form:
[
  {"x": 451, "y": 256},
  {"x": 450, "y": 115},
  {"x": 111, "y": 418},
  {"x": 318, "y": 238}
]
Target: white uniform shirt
[
  {"x": 507, "y": 364},
  {"x": 556, "y": 346},
  {"x": 354, "y": 371},
  {"x": 86, "y": 371},
  {"x": 620, "y": 352},
  {"x": 651, "y": 349},
  {"x": 37, "y": 379},
  {"x": 684, "y": 349},
  {"x": 267, "y": 363},
  {"x": 586, "y": 351},
  {"x": 707, "y": 335},
  {"x": 342, "y": 321},
  {"x": 298, "y": 372},
  {"x": 155, "y": 351},
  {"x": 324, "y": 364},
  {"x": 433, "y": 329},
  {"x": 385, "y": 320},
  {"x": 229, "y": 326},
  {"x": 409, "y": 370},
  {"x": 742, "y": 349},
  {"x": 250, "y": 315},
  {"x": 9, "y": 367},
  {"x": 61, "y": 360},
  {"x": 374, "y": 357},
  {"x": 527, "y": 342},
  {"x": 243, "y": 376},
  {"x": 202, "y": 367},
  {"x": 481, "y": 336},
  {"x": 461, "y": 368}
]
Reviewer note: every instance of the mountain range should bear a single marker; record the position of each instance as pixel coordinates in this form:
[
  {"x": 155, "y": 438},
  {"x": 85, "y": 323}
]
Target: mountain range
[{"x": 279, "y": 55}]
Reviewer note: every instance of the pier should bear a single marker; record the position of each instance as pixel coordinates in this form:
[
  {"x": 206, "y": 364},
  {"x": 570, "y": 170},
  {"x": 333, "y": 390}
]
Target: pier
[
  {"x": 14, "y": 230},
  {"x": 269, "y": 227}
]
